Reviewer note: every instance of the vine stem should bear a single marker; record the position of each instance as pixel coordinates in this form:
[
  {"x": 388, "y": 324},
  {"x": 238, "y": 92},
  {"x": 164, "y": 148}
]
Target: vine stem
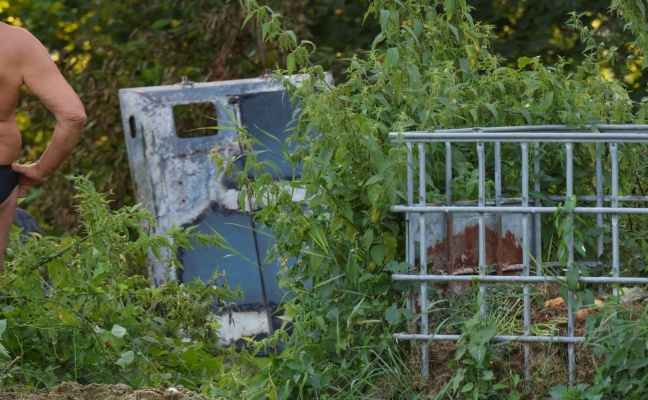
[{"x": 9, "y": 366}]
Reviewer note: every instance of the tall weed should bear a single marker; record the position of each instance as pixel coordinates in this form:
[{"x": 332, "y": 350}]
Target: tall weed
[
  {"x": 429, "y": 68},
  {"x": 71, "y": 311}
]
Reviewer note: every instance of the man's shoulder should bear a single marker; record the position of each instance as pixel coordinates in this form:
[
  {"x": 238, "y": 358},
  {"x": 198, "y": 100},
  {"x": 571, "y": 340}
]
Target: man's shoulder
[
  {"x": 12, "y": 29},
  {"x": 17, "y": 35}
]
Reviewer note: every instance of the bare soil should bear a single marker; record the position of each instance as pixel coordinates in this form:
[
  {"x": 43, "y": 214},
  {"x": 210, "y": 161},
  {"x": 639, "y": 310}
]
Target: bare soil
[{"x": 75, "y": 391}]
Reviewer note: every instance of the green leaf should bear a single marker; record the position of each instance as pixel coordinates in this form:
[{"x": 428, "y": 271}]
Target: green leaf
[
  {"x": 316, "y": 201},
  {"x": 548, "y": 99},
  {"x": 393, "y": 314},
  {"x": 3, "y": 326},
  {"x": 384, "y": 19},
  {"x": 458, "y": 378},
  {"x": 118, "y": 331},
  {"x": 398, "y": 268},
  {"x": 408, "y": 29},
  {"x": 454, "y": 30},
  {"x": 100, "y": 269},
  {"x": 526, "y": 115},
  {"x": 478, "y": 353},
  {"x": 374, "y": 179},
  {"x": 378, "y": 254},
  {"x": 292, "y": 36},
  {"x": 367, "y": 238},
  {"x": 264, "y": 30},
  {"x": 315, "y": 381},
  {"x": 414, "y": 76},
  {"x": 493, "y": 110},
  {"x": 161, "y": 23},
  {"x": 532, "y": 88},
  {"x": 126, "y": 358},
  {"x": 290, "y": 63},
  {"x": 449, "y": 7},
  {"x": 464, "y": 64},
  {"x": 467, "y": 387},
  {"x": 571, "y": 278},
  {"x": 523, "y": 62},
  {"x": 3, "y": 351},
  {"x": 377, "y": 40},
  {"x": 392, "y": 56},
  {"x": 444, "y": 101}
]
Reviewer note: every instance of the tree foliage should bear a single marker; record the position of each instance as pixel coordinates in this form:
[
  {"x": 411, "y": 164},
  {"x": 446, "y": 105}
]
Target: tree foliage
[
  {"x": 430, "y": 66},
  {"x": 72, "y": 311},
  {"x": 102, "y": 46}
]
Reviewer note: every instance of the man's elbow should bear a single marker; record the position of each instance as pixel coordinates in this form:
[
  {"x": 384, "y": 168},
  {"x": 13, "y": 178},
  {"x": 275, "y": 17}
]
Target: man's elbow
[{"x": 77, "y": 118}]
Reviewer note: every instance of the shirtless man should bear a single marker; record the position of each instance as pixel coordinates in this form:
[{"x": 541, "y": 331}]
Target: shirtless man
[{"x": 24, "y": 60}]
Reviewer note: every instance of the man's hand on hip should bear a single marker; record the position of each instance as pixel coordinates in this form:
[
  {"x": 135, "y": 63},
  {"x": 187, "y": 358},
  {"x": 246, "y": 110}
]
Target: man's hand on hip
[{"x": 30, "y": 175}]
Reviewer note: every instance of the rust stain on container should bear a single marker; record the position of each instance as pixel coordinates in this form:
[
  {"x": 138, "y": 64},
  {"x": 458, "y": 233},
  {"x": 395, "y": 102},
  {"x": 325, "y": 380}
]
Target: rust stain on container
[{"x": 453, "y": 246}]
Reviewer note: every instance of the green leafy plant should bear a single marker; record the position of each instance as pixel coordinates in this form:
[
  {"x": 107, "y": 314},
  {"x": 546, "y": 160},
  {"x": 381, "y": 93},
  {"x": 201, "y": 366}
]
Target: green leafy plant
[
  {"x": 428, "y": 68},
  {"x": 473, "y": 377},
  {"x": 71, "y": 310},
  {"x": 617, "y": 335}
]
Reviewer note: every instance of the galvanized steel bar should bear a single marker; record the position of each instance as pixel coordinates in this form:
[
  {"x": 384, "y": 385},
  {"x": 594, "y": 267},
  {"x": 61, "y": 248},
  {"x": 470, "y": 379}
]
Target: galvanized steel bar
[
  {"x": 522, "y": 136},
  {"x": 423, "y": 261},
  {"x": 516, "y": 279},
  {"x": 514, "y": 209},
  {"x": 410, "y": 177},
  {"x": 596, "y": 129},
  {"x": 410, "y": 251},
  {"x": 525, "y": 255},
  {"x": 615, "y": 217},
  {"x": 569, "y": 160},
  {"x": 496, "y": 338},
  {"x": 537, "y": 218},
  {"x": 599, "y": 203},
  {"x": 450, "y": 257},
  {"x": 482, "y": 225},
  {"x": 498, "y": 174},
  {"x": 608, "y": 199},
  {"x": 448, "y": 153},
  {"x": 498, "y": 203},
  {"x": 580, "y": 198}
]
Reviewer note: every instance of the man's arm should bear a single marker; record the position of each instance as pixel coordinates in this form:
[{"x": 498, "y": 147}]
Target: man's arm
[{"x": 43, "y": 78}]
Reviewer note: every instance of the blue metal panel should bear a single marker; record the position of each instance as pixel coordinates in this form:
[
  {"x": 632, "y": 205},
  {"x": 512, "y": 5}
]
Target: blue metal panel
[
  {"x": 242, "y": 270},
  {"x": 263, "y": 114},
  {"x": 269, "y": 112},
  {"x": 269, "y": 269}
]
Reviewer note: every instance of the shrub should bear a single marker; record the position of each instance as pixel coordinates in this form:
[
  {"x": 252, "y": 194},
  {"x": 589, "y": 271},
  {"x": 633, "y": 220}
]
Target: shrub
[{"x": 71, "y": 311}]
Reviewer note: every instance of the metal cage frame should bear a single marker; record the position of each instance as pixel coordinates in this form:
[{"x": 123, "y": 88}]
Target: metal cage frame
[{"x": 529, "y": 138}]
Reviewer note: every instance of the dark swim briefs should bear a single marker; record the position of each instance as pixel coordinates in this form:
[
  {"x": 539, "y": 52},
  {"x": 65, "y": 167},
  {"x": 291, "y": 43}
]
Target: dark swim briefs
[{"x": 8, "y": 182}]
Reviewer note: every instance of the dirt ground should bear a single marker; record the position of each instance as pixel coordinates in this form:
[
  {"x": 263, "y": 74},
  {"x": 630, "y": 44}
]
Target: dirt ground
[{"x": 75, "y": 391}]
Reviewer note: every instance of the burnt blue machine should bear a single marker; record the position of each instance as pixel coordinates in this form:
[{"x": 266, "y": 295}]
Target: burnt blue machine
[{"x": 174, "y": 178}]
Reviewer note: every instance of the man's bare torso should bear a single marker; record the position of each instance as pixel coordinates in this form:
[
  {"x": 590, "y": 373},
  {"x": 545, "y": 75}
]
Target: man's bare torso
[
  {"x": 10, "y": 83},
  {"x": 24, "y": 60}
]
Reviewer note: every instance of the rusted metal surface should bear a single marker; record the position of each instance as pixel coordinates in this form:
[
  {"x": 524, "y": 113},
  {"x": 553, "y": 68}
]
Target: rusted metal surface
[{"x": 453, "y": 245}]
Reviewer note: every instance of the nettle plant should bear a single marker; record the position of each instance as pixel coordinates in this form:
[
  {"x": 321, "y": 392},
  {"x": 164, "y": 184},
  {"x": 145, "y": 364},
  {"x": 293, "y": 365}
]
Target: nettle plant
[
  {"x": 428, "y": 68},
  {"x": 71, "y": 309}
]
